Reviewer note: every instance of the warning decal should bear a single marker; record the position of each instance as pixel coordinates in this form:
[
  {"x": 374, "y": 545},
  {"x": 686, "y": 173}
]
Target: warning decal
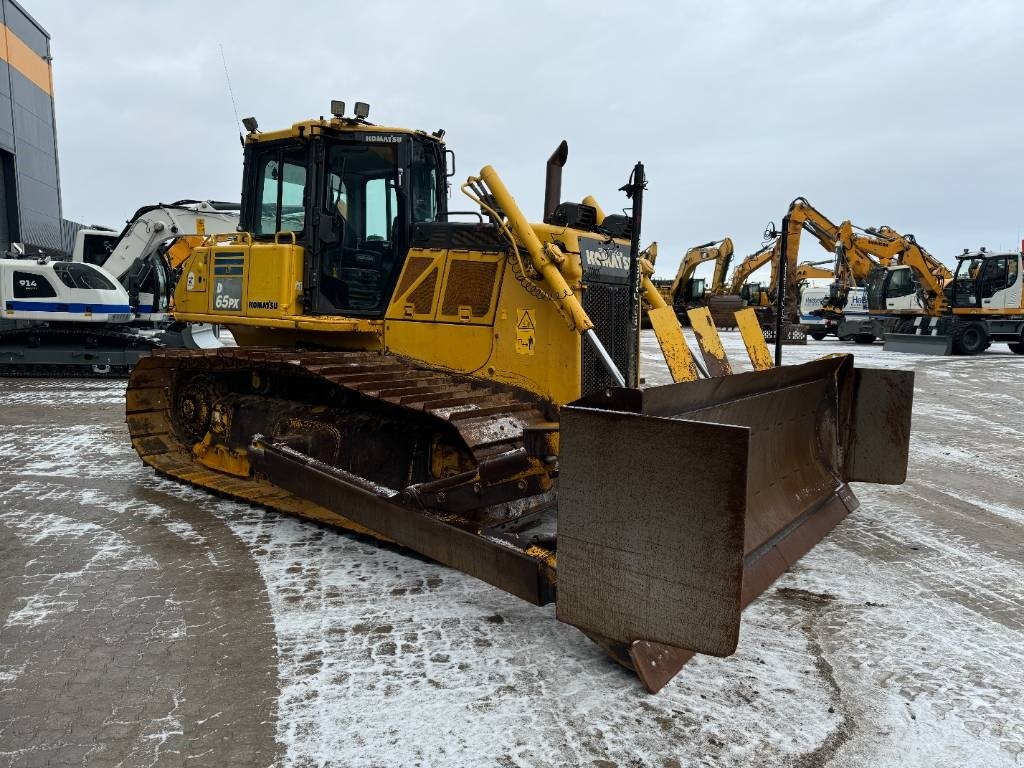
[{"x": 526, "y": 341}]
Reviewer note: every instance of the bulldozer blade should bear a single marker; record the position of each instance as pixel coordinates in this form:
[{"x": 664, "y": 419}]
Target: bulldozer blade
[
  {"x": 679, "y": 505},
  {"x": 920, "y": 344}
]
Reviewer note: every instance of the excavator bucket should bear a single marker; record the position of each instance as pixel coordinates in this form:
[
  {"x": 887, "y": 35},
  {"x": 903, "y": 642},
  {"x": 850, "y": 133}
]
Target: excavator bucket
[{"x": 678, "y": 505}]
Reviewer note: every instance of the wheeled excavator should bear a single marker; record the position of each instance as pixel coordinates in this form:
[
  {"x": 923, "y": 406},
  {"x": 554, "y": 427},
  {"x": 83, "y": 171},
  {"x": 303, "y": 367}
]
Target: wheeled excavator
[
  {"x": 98, "y": 313},
  {"x": 470, "y": 390},
  {"x": 982, "y": 302}
]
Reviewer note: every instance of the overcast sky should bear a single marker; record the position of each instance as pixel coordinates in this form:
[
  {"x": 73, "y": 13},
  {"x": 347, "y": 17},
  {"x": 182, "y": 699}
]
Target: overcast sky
[{"x": 909, "y": 114}]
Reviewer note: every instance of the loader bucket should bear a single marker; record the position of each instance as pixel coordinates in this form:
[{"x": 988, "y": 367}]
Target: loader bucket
[
  {"x": 678, "y": 505},
  {"x": 919, "y": 344}
]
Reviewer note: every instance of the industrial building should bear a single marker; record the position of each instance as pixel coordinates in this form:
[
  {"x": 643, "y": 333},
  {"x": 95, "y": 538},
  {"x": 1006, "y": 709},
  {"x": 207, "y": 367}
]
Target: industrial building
[{"x": 30, "y": 206}]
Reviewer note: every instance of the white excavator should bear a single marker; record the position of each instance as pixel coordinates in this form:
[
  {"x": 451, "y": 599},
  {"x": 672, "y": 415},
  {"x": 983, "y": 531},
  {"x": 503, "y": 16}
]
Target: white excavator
[{"x": 98, "y": 313}]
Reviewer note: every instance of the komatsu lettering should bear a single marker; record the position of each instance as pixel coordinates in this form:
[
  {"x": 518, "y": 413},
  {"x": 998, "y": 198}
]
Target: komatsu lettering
[
  {"x": 612, "y": 259},
  {"x": 262, "y": 305}
]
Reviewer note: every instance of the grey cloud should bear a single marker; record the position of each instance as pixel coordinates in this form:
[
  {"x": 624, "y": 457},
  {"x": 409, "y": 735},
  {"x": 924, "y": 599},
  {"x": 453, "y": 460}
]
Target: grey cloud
[{"x": 905, "y": 114}]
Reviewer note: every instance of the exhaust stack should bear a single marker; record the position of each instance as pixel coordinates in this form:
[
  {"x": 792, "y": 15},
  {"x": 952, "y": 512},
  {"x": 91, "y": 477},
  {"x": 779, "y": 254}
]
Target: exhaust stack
[{"x": 553, "y": 180}]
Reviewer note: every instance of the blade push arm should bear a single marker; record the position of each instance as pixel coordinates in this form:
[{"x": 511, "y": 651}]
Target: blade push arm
[{"x": 546, "y": 259}]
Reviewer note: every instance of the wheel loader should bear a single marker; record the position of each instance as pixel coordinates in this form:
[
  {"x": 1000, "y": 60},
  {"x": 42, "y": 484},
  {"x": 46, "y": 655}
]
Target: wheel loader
[{"x": 469, "y": 389}]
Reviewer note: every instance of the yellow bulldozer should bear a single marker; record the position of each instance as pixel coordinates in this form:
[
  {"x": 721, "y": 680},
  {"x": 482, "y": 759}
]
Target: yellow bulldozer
[{"x": 469, "y": 389}]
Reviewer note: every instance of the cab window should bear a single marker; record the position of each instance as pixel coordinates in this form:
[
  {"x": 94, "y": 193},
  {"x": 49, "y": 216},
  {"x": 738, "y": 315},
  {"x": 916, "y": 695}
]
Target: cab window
[
  {"x": 901, "y": 283},
  {"x": 282, "y": 186},
  {"x": 995, "y": 277},
  {"x": 424, "y": 193},
  {"x": 96, "y": 249},
  {"x": 78, "y": 275},
  {"x": 381, "y": 209}
]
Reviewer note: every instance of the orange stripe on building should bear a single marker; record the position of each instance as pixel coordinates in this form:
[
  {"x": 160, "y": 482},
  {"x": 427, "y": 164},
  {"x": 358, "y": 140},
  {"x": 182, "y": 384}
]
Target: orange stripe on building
[{"x": 15, "y": 52}]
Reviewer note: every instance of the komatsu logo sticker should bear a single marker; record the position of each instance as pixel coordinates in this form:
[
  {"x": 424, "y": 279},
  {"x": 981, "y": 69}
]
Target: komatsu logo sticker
[
  {"x": 380, "y": 138},
  {"x": 262, "y": 305},
  {"x": 605, "y": 260}
]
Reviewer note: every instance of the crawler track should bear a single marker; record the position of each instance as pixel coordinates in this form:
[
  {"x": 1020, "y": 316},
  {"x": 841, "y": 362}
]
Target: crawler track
[
  {"x": 68, "y": 351},
  {"x": 480, "y": 421}
]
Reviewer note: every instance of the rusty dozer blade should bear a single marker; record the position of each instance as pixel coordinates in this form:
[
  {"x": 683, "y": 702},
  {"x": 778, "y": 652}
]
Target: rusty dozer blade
[{"x": 678, "y": 505}]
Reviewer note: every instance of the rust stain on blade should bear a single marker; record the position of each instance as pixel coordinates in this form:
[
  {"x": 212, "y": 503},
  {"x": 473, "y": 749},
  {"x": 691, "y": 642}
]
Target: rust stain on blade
[
  {"x": 709, "y": 341},
  {"x": 673, "y": 344},
  {"x": 753, "y": 339}
]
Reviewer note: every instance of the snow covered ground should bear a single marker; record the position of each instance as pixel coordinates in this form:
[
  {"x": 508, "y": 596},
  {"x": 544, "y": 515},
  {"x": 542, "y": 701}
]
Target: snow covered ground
[{"x": 142, "y": 622}]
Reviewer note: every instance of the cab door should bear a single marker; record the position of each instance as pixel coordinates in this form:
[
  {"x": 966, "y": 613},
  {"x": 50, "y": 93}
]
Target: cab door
[{"x": 1001, "y": 283}]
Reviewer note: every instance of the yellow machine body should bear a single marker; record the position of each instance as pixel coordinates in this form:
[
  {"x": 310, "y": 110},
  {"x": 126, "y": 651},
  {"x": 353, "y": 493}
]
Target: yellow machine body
[{"x": 461, "y": 310}]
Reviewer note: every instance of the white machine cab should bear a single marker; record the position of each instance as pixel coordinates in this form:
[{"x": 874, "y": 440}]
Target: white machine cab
[{"x": 60, "y": 291}]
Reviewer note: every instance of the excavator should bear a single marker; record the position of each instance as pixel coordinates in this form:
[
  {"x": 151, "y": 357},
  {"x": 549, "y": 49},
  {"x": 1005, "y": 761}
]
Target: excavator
[
  {"x": 470, "y": 390},
  {"x": 782, "y": 244},
  {"x": 863, "y": 258},
  {"x": 962, "y": 313},
  {"x": 99, "y": 312},
  {"x": 686, "y": 292}
]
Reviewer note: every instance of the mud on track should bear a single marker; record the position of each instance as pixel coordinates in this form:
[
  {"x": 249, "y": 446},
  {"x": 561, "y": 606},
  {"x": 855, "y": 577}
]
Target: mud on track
[{"x": 146, "y": 623}]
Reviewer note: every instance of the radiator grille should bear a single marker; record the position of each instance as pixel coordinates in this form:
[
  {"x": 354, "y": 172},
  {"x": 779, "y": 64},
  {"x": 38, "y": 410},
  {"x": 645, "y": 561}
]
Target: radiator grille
[
  {"x": 608, "y": 306},
  {"x": 414, "y": 267},
  {"x": 470, "y": 283},
  {"x": 422, "y": 299}
]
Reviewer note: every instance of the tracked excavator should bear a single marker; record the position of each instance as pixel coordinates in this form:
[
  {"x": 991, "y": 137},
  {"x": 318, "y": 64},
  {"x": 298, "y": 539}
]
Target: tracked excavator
[
  {"x": 781, "y": 244},
  {"x": 98, "y": 313},
  {"x": 470, "y": 391},
  {"x": 685, "y": 291}
]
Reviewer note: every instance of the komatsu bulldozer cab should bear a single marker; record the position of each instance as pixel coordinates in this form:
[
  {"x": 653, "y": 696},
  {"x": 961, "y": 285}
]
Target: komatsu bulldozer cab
[
  {"x": 348, "y": 193},
  {"x": 987, "y": 281}
]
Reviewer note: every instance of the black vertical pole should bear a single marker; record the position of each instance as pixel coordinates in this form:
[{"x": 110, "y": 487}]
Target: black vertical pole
[
  {"x": 780, "y": 291},
  {"x": 634, "y": 190}
]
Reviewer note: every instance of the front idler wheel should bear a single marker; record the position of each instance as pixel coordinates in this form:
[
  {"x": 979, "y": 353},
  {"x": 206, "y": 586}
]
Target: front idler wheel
[{"x": 193, "y": 408}]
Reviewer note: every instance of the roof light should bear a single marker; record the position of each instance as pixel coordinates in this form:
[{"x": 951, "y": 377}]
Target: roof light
[
  {"x": 337, "y": 108},
  {"x": 250, "y": 124},
  {"x": 362, "y": 110}
]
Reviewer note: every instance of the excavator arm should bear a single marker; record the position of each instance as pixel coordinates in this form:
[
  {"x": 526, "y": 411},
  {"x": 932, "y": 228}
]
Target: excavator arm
[
  {"x": 137, "y": 259},
  {"x": 801, "y": 217},
  {"x": 751, "y": 264},
  {"x": 155, "y": 224},
  {"x": 885, "y": 248}
]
